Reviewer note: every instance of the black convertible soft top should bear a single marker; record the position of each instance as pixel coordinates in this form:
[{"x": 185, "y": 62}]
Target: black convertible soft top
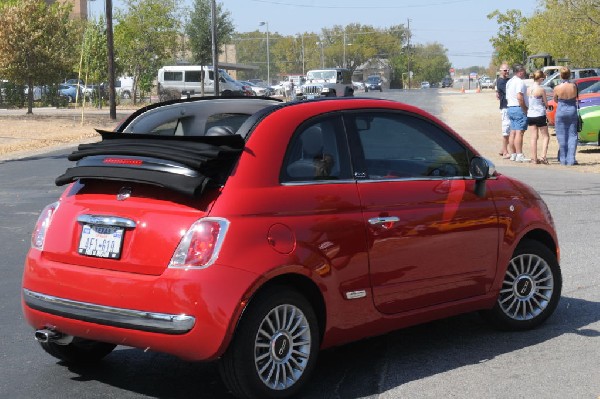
[{"x": 186, "y": 164}]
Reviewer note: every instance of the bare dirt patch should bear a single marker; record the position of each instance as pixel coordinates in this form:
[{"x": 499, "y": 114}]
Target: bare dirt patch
[
  {"x": 23, "y": 134},
  {"x": 476, "y": 117}
]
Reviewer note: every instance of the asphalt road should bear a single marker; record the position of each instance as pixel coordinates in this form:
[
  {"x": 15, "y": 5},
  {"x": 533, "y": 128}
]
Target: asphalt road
[{"x": 461, "y": 357}]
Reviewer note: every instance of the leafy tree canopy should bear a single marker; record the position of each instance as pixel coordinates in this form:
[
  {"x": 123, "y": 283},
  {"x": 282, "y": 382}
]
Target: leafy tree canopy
[
  {"x": 37, "y": 43},
  {"x": 146, "y": 33},
  {"x": 199, "y": 31},
  {"x": 509, "y": 44},
  {"x": 566, "y": 29}
]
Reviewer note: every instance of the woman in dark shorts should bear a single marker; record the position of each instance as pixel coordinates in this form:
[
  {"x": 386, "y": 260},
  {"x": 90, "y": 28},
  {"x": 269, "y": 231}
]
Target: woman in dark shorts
[{"x": 536, "y": 118}]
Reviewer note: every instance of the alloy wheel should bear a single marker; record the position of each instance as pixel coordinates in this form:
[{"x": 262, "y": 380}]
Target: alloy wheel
[
  {"x": 282, "y": 347},
  {"x": 527, "y": 288}
]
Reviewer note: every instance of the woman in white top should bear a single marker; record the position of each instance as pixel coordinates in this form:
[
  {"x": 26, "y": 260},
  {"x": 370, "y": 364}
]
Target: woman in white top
[{"x": 536, "y": 118}]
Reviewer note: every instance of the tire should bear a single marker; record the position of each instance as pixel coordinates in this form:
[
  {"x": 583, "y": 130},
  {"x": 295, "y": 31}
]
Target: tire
[
  {"x": 260, "y": 349},
  {"x": 530, "y": 291},
  {"x": 80, "y": 351},
  {"x": 126, "y": 95}
]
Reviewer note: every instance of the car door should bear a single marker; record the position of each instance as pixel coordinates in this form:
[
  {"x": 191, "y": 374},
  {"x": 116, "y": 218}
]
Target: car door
[{"x": 431, "y": 238}]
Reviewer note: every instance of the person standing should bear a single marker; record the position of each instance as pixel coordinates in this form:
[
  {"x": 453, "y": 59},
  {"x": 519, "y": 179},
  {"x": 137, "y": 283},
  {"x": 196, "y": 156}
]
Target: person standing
[
  {"x": 501, "y": 96},
  {"x": 516, "y": 99},
  {"x": 536, "y": 118},
  {"x": 565, "y": 124}
]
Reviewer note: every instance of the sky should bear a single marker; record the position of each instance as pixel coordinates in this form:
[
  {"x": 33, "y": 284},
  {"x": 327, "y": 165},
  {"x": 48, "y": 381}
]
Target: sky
[{"x": 461, "y": 26}]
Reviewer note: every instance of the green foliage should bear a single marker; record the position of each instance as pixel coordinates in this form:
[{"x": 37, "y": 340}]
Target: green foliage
[
  {"x": 509, "y": 44},
  {"x": 145, "y": 35},
  {"x": 37, "y": 43},
  {"x": 429, "y": 63},
  {"x": 198, "y": 30},
  {"x": 566, "y": 29}
]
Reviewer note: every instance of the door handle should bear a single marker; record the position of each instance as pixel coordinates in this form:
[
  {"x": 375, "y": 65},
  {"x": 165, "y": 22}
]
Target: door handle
[{"x": 386, "y": 221}]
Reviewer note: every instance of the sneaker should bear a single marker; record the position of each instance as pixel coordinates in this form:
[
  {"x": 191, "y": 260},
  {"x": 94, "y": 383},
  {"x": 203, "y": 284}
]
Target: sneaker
[
  {"x": 513, "y": 157},
  {"x": 521, "y": 158}
]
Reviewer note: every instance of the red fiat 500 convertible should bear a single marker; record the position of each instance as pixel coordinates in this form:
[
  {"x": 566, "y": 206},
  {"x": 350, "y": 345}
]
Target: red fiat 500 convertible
[{"x": 254, "y": 233}]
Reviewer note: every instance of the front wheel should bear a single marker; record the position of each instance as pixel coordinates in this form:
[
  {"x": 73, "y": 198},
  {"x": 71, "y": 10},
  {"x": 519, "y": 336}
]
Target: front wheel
[
  {"x": 80, "y": 351},
  {"x": 275, "y": 347},
  {"x": 530, "y": 291}
]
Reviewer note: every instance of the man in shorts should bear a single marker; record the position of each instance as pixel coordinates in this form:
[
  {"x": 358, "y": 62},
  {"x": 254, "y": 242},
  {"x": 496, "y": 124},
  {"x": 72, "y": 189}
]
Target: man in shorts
[
  {"x": 516, "y": 100},
  {"x": 501, "y": 96}
]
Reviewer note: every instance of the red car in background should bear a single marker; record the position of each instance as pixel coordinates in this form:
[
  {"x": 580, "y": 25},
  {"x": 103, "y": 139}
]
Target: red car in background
[
  {"x": 253, "y": 233},
  {"x": 582, "y": 85}
]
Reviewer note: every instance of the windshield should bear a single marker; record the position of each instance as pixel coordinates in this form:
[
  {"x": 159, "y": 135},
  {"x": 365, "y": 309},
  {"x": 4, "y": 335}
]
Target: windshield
[
  {"x": 373, "y": 79},
  {"x": 226, "y": 76},
  {"x": 595, "y": 88},
  {"x": 320, "y": 75},
  {"x": 550, "y": 78}
]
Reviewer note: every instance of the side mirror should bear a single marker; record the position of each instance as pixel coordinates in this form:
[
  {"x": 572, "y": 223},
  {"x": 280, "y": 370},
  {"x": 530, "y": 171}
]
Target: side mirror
[{"x": 480, "y": 169}]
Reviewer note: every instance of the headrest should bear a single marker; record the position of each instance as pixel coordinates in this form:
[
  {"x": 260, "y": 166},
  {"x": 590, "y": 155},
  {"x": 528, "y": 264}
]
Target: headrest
[
  {"x": 219, "y": 131},
  {"x": 312, "y": 141}
]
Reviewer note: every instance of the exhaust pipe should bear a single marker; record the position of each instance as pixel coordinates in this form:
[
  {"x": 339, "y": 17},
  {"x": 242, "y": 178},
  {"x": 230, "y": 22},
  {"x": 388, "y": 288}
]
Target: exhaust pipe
[{"x": 46, "y": 335}]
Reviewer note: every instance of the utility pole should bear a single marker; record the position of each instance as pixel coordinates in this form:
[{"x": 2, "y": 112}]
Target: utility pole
[
  {"x": 408, "y": 52},
  {"x": 215, "y": 59},
  {"x": 111, "y": 61}
]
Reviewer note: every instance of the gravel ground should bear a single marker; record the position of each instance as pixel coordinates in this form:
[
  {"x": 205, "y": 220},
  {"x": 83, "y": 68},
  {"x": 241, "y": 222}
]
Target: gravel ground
[{"x": 473, "y": 115}]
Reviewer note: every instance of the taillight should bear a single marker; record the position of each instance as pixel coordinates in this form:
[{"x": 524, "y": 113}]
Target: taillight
[
  {"x": 200, "y": 245},
  {"x": 41, "y": 226}
]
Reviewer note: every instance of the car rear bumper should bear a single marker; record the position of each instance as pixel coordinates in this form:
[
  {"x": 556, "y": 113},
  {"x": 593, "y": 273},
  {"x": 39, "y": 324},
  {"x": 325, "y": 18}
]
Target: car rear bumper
[
  {"x": 108, "y": 315},
  {"x": 187, "y": 313}
]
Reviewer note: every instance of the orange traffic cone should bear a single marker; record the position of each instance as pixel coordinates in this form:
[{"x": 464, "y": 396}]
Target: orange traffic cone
[
  {"x": 462, "y": 89},
  {"x": 478, "y": 90}
]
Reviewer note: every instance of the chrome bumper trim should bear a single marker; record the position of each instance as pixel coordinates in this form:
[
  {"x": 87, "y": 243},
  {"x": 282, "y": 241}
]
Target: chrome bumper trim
[{"x": 118, "y": 317}]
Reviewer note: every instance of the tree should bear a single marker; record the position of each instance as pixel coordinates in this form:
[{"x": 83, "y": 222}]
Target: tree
[
  {"x": 146, "y": 33},
  {"x": 566, "y": 29},
  {"x": 94, "y": 60},
  {"x": 510, "y": 45},
  {"x": 198, "y": 30},
  {"x": 429, "y": 62},
  {"x": 37, "y": 43}
]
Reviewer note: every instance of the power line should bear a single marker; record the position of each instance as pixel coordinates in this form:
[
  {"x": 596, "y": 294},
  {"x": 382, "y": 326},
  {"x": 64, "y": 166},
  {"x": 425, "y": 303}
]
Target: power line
[{"x": 365, "y": 7}]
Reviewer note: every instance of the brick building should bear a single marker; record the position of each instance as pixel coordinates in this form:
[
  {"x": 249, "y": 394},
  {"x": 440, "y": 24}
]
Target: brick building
[{"x": 80, "y": 7}]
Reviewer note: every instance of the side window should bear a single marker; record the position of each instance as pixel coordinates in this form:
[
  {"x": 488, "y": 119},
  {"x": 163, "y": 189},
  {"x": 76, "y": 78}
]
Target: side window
[
  {"x": 173, "y": 76},
  {"x": 317, "y": 151},
  {"x": 193, "y": 76},
  {"x": 404, "y": 146}
]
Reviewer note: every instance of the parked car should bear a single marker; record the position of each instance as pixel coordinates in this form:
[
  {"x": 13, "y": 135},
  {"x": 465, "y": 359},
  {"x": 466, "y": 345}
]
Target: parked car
[
  {"x": 256, "y": 89},
  {"x": 358, "y": 85},
  {"x": 486, "y": 83},
  {"x": 123, "y": 87},
  {"x": 374, "y": 82},
  {"x": 578, "y": 73},
  {"x": 447, "y": 82},
  {"x": 254, "y": 232},
  {"x": 329, "y": 82},
  {"x": 425, "y": 85},
  {"x": 69, "y": 91},
  {"x": 582, "y": 85},
  {"x": 590, "y": 131}
]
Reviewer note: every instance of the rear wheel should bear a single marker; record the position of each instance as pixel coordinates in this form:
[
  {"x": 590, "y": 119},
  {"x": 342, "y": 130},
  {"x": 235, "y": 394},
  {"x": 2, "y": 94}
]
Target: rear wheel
[
  {"x": 530, "y": 291},
  {"x": 275, "y": 347},
  {"x": 80, "y": 351}
]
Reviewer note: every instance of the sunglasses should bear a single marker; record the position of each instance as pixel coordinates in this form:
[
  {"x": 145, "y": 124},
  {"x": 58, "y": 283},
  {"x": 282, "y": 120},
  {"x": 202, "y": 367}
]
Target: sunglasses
[{"x": 504, "y": 70}]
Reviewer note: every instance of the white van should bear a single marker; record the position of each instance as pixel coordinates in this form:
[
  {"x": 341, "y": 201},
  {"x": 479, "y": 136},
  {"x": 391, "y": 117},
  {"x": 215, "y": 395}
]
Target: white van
[{"x": 188, "y": 80}]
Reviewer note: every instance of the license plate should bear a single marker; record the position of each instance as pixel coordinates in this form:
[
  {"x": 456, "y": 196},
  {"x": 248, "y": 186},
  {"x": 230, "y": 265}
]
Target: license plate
[
  {"x": 101, "y": 241},
  {"x": 310, "y": 97}
]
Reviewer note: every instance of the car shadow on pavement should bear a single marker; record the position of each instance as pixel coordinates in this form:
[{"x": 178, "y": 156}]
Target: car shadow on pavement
[{"x": 360, "y": 369}]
